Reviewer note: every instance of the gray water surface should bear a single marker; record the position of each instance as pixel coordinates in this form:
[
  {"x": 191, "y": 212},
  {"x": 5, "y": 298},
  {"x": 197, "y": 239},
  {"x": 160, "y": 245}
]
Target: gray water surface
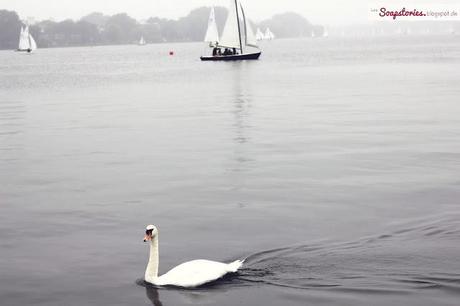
[{"x": 333, "y": 165}]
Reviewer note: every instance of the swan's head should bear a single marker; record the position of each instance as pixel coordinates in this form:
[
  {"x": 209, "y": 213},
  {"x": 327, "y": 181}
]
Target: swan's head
[{"x": 150, "y": 232}]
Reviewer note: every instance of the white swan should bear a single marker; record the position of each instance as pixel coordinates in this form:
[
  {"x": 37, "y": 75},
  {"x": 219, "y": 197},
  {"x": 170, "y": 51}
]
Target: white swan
[{"x": 189, "y": 274}]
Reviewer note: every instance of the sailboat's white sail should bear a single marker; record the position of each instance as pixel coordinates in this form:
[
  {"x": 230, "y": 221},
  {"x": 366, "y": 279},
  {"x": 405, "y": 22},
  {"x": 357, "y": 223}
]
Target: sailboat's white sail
[
  {"x": 259, "y": 34},
  {"x": 250, "y": 38},
  {"x": 230, "y": 36},
  {"x": 212, "y": 34},
  {"x": 32, "y": 43},
  {"x": 20, "y": 38},
  {"x": 142, "y": 41},
  {"x": 24, "y": 39},
  {"x": 269, "y": 35}
]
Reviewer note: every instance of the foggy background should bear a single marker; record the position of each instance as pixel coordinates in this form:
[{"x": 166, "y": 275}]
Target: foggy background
[
  {"x": 332, "y": 12},
  {"x": 91, "y": 23}
]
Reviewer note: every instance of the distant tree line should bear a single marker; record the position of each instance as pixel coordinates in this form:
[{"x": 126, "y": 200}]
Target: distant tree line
[{"x": 100, "y": 29}]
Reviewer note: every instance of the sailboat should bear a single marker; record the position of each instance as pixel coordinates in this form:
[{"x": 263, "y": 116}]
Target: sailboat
[
  {"x": 237, "y": 36},
  {"x": 142, "y": 41},
  {"x": 26, "y": 41},
  {"x": 269, "y": 34},
  {"x": 259, "y": 35}
]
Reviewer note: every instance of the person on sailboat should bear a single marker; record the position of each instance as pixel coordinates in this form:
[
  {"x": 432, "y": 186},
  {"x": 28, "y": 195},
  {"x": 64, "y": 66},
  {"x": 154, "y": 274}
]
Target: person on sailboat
[
  {"x": 216, "y": 51},
  {"x": 230, "y": 51}
]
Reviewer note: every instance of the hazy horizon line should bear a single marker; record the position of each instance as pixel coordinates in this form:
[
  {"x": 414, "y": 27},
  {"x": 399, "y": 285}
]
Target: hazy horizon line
[
  {"x": 356, "y": 22},
  {"x": 36, "y": 19}
]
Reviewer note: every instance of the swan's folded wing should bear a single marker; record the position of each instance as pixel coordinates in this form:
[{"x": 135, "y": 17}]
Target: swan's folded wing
[{"x": 196, "y": 273}]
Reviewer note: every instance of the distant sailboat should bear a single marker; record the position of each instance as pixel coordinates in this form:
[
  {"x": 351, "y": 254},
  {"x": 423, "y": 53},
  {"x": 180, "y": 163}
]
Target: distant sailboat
[
  {"x": 237, "y": 37},
  {"x": 142, "y": 41},
  {"x": 259, "y": 35},
  {"x": 26, "y": 41},
  {"x": 269, "y": 34}
]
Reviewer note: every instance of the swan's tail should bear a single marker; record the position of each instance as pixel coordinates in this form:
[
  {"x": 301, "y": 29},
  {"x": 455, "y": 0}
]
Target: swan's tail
[{"x": 234, "y": 266}]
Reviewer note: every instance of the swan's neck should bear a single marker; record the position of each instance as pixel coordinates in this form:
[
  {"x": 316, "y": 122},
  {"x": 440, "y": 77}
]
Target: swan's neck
[{"x": 151, "y": 273}]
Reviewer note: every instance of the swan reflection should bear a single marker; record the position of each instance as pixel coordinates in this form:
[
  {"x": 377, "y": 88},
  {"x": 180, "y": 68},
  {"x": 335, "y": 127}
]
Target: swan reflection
[{"x": 153, "y": 295}]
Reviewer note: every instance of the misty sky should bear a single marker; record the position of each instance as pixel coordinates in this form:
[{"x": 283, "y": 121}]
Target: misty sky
[{"x": 317, "y": 11}]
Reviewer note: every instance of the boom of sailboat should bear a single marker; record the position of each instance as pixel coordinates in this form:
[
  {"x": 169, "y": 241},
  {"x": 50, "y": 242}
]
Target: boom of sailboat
[{"x": 238, "y": 40}]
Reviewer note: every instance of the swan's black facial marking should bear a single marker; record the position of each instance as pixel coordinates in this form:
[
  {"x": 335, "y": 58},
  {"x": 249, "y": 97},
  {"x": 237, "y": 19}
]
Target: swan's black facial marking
[{"x": 150, "y": 232}]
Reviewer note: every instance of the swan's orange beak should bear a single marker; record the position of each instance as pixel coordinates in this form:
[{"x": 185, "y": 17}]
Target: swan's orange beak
[{"x": 147, "y": 238}]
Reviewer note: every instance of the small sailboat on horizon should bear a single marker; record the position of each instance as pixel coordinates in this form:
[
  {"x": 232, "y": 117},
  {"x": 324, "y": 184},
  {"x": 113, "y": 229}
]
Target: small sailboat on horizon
[
  {"x": 269, "y": 34},
  {"x": 26, "y": 41},
  {"x": 259, "y": 35},
  {"x": 142, "y": 41},
  {"x": 237, "y": 37}
]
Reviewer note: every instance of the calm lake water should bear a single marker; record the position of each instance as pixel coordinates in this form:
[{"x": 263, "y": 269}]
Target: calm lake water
[{"x": 333, "y": 164}]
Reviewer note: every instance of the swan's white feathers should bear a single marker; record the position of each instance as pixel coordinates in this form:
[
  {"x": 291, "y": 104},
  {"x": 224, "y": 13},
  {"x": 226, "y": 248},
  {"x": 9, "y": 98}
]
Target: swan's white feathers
[{"x": 196, "y": 273}]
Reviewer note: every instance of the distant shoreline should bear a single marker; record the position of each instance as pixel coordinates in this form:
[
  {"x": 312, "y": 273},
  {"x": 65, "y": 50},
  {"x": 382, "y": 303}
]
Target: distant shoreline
[{"x": 98, "y": 29}]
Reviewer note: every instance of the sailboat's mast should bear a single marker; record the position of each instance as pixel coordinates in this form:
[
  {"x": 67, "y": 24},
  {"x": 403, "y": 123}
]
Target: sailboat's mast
[{"x": 238, "y": 22}]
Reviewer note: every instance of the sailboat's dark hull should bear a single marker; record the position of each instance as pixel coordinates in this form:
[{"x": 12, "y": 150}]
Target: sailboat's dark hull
[{"x": 238, "y": 57}]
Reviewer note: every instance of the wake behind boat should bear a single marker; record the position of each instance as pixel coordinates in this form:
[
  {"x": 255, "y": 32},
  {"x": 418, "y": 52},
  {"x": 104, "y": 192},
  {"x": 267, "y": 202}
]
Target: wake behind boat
[{"x": 238, "y": 41}]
